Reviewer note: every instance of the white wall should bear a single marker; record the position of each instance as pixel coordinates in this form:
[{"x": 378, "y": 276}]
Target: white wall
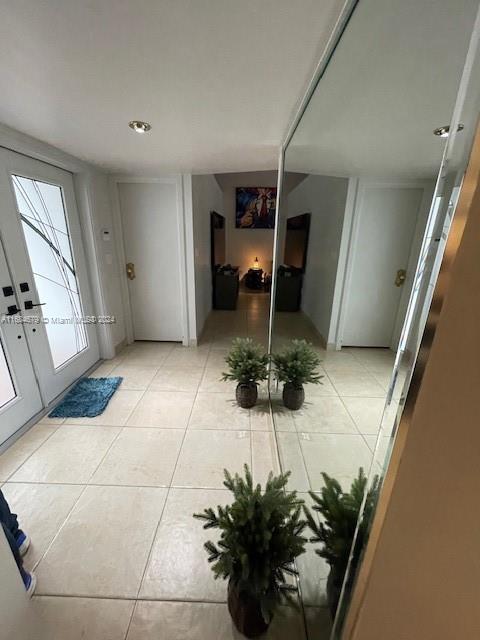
[
  {"x": 18, "y": 617},
  {"x": 189, "y": 258},
  {"x": 206, "y": 197},
  {"x": 325, "y": 198},
  {"x": 243, "y": 245},
  {"x": 103, "y": 261}
]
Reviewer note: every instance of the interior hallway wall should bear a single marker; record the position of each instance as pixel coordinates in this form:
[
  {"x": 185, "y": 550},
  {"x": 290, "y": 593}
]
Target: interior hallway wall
[
  {"x": 425, "y": 570},
  {"x": 206, "y": 197},
  {"x": 244, "y": 245},
  {"x": 18, "y": 617},
  {"x": 325, "y": 198},
  {"x": 111, "y": 269}
]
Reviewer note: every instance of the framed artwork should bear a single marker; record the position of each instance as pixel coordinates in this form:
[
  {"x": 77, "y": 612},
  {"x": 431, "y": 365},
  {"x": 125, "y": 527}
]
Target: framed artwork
[{"x": 255, "y": 207}]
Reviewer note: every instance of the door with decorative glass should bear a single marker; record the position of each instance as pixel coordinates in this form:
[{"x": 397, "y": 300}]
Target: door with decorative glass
[{"x": 43, "y": 246}]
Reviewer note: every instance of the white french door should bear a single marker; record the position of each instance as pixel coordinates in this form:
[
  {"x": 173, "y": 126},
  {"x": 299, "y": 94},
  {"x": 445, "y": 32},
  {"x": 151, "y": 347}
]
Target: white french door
[
  {"x": 19, "y": 395},
  {"x": 42, "y": 240}
]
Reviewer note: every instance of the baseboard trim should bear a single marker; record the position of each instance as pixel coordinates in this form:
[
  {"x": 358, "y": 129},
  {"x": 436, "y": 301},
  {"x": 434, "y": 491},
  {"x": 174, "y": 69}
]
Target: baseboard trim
[
  {"x": 121, "y": 345},
  {"x": 327, "y": 346}
]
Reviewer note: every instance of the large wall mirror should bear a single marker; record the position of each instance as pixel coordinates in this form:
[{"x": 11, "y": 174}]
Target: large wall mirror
[{"x": 359, "y": 242}]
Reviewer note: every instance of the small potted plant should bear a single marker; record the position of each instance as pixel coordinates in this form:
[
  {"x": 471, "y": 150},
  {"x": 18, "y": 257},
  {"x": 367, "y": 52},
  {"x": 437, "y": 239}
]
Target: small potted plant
[
  {"x": 261, "y": 535},
  {"x": 340, "y": 511},
  {"x": 296, "y": 366},
  {"x": 248, "y": 365}
]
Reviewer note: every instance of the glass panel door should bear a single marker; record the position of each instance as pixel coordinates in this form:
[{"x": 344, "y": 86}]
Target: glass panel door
[
  {"x": 42, "y": 213},
  {"x": 45, "y": 251},
  {"x": 19, "y": 394}
]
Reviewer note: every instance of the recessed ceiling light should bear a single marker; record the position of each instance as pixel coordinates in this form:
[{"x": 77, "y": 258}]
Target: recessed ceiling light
[
  {"x": 443, "y": 132},
  {"x": 139, "y": 127}
]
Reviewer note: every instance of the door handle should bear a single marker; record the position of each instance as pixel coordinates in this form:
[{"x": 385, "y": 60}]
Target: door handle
[
  {"x": 401, "y": 277},
  {"x": 29, "y": 304},
  {"x": 130, "y": 268}
]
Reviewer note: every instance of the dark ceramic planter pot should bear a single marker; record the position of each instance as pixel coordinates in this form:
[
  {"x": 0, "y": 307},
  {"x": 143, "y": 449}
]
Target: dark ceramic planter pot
[
  {"x": 246, "y": 612},
  {"x": 293, "y": 396},
  {"x": 246, "y": 395},
  {"x": 334, "y": 588}
]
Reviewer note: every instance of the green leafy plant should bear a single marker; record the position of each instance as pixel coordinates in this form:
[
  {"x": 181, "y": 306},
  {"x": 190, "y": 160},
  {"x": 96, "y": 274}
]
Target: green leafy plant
[
  {"x": 261, "y": 535},
  {"x": 247, "y": 362},
  {"x": 340, "y": 511},
  {"x": 297, "y": 364}
]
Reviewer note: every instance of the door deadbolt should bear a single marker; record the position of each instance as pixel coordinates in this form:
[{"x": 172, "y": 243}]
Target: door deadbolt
[
  {"x": 12, "y": 310},
  {"x": 401, "y": 277},
  {"x": 130, "y": 271},
  {"x": 8, "y": 291}
]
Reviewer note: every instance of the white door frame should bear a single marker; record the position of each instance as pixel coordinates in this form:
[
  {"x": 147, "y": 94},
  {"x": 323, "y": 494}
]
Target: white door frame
[
  {"x": 335, "y": 331},
  {"x": 349, "y": 242},
  {"x": 51, "y": 380},
  {"x": 83, "y": 175},
  {"x": 176, "y": 180}
]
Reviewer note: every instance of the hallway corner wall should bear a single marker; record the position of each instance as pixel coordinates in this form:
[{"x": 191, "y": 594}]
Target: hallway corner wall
[
  {"x": 206, "y": 197},
  {"x": 243, "y": 245},
  {"x": 94, "y": 193},
  {"x": 325, "y": 198}
]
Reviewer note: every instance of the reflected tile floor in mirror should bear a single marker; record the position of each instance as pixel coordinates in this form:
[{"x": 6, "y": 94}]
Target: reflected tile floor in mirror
[
  {"x": 108, "y": 501},
  {"x": 335, "y": 431}
]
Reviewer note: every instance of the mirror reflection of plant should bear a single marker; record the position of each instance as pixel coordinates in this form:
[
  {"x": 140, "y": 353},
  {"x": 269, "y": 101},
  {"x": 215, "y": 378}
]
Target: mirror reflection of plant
[
  {"x": 247, "y": 361},
  {"x": 261, "y": 535},
  {"x": 297, "y": 364},
  {"x": 340, "y": 512}
]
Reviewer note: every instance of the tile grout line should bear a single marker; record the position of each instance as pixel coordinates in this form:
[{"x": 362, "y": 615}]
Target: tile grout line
[
  {"x": 132, "y": 615},
  {"x": 121, "y": 486},
  {"x": 149, "y": 555},
  {"x": 35, "y": 450},
  {"x": 132, "y": 599},
  {"x": 351, "y": 417},
  {"x": 304, "y": 463},
  {"x": 60, "y": 528},
  {"x": 135, "y": 427},
  {"x": 85, "y": 486}
]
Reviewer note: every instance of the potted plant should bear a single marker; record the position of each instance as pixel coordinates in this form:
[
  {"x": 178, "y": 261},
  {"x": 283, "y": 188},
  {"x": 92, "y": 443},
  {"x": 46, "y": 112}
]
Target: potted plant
[
  {"x": 296, "y": 366},
  {"x": 340, "y": 512},
  {"x": 248, "y": 365},
  {"x": 261, "y": 535}
]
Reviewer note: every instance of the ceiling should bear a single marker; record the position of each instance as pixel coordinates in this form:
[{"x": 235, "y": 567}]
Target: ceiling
[
  {"x": 219, "y": 80},
  {"x": 393, "y": 78}
]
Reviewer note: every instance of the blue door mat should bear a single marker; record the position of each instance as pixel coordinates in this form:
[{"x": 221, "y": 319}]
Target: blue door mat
[{"x": 87, "y": 399}]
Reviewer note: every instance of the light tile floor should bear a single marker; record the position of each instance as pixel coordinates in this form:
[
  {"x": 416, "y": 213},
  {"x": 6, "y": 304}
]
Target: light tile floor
[{"x": 109, "y": 500}]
